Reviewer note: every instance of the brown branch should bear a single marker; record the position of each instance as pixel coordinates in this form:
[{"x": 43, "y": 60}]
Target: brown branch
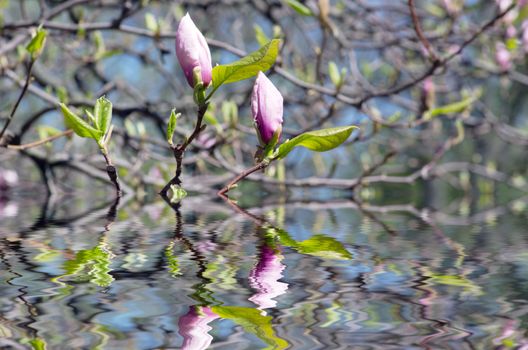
[
  {"x": 241, "y": 176},
  {"x": 420, "y": 34}
]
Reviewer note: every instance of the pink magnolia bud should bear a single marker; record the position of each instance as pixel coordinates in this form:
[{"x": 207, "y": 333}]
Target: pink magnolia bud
[
  {"x": 194, "y": 328},
  {"x": 265, "y": 278},
  {"x": 192, "y": 51},
  {"x": 266, "y": 106}
]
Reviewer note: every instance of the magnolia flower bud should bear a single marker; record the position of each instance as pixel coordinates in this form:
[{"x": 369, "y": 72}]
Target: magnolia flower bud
[
  {"x": 192, "y": 51},
  {"x": 266, "y": 106}
]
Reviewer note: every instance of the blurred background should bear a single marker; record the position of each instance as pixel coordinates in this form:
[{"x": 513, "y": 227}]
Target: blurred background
[{"x": 410, "y": 235}]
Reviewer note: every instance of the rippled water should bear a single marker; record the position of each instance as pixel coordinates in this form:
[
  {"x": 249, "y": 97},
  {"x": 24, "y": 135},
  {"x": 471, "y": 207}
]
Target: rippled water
[{"x": 304, "y": 275}]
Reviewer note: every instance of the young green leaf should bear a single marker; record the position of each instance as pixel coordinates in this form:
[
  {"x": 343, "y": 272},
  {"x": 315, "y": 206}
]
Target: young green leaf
[
  {"x": 261, "y": 37},
  {"x": 151, "y": 22},
  {"x": 103, "y": 114},
  {"x": 319, "y": 140},
  {"x": 36, "y": 45},
  {"x": 333, "y": 71},
  {"x": 455, "y": 107},
  {"x": 79, "y": 126},
  {"x": 248, "y": 66},
  {"x": 299, "y": 8},
  {"x": 171, "y": 126}
]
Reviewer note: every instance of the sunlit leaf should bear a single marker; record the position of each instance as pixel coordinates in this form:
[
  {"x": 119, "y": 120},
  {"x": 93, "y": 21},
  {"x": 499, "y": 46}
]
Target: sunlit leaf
[
  {"x": 78, "y": 125},
  {"x": 253, "y": 322},
  {"x": 248, "y": 66},
  {"x": 299, "y": 7},
  {"x": 319, "y": 140}
]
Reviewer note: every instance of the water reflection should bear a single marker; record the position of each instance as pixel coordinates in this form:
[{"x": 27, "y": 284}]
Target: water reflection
[{"x": 207, "y": 274}]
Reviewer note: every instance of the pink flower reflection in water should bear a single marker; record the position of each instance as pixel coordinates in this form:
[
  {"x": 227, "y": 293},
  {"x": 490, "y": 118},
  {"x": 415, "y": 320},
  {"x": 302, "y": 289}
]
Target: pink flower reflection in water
[
  {"x": 265, "y": 278},
  {"x": 194, "y": 328}
]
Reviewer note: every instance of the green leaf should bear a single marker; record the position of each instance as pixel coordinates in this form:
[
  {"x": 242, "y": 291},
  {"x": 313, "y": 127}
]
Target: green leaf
[
  {"x": 36, "y": 45},
  {"x": 455, "y": 107},
  {"x": 252, "y": 321},
  {"x": 103, "y": 114},
  {"x": 333, "y": 71},
  {"x": 260, "y": 35},
  {"x": 78, "y": 125},
  {"x": 299, "y": 8},
  {"x": 319, "y": 140},
  {"x": 324, "y": 247},
  {"x": 248, "y": 66},
  {"x": 171, "y": 126}
]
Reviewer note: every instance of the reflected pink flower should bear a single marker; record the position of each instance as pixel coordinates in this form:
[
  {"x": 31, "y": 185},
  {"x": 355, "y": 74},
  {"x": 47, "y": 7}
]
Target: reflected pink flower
[
  {"x": 265, "y": 278},
  {"x": 194, "y": 328},
  {"x": 267, "y": 109},
  {"x": 8, "y": 209},
  {"x": 8, "y": 179},
  {"x": 192, "y": 51},
  {"x": 503, "y": 57}
]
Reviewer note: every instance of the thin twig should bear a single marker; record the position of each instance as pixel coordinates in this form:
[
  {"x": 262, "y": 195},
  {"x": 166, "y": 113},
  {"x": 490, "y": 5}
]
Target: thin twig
[
  {"x": 420, "y": 34},
  {"x": 17, "y": 103},
  {"x": 243, "y": 175},
  {"x": 179, "y": 150},
  {"x": 41, "y": 142}
]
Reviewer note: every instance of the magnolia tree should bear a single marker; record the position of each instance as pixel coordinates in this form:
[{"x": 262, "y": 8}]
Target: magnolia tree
[{"x": 410, "y": 97}]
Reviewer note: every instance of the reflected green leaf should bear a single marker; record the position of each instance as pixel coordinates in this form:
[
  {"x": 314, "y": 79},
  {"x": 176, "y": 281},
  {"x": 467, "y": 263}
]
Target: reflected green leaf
[
  {"x": 324, "y": 247},
  {"x": 91, "y": 265},
  {"x": 318, "y": 245},
  {"x": 253, "y": 322}
]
